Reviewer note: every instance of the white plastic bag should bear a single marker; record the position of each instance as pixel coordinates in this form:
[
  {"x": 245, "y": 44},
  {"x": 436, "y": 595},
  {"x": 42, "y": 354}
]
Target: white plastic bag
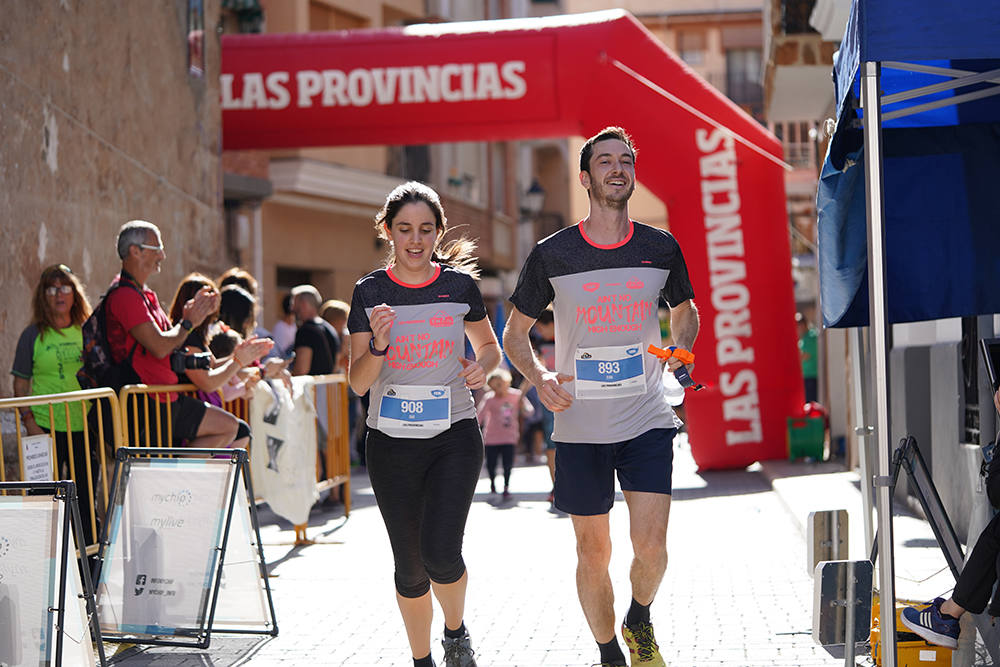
[{"x": 283, "y": 449}]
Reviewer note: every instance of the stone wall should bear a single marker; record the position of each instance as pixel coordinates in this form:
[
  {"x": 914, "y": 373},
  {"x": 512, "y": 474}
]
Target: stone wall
[{"x": 101, "y": 122}]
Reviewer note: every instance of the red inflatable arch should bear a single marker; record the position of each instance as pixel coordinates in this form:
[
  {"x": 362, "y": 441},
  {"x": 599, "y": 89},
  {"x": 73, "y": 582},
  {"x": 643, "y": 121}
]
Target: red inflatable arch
[{"x": 716, "y": 169}]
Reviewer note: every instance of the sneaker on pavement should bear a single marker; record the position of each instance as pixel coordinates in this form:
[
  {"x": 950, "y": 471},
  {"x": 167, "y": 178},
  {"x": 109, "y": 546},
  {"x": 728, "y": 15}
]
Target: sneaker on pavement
[
  {"x": 642, "y": 648},
  {"x": 931, "y": 625},
  {"x": 458, "y": 652}
]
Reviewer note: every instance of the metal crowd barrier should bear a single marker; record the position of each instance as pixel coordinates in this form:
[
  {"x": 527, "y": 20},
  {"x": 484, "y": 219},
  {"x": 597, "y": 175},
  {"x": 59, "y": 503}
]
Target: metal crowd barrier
[
  {"x": 141, "y": 406},
  {"x": 338, "y": 435},
  {"x": 118, "y": 420},
  {"x": 101, "y": 434}
]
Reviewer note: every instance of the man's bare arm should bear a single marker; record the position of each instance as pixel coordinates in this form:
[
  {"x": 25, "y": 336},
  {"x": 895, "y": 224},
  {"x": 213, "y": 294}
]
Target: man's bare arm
[
  {"x": 684, "y": 324},
  {"x": 517, "y": 346}
]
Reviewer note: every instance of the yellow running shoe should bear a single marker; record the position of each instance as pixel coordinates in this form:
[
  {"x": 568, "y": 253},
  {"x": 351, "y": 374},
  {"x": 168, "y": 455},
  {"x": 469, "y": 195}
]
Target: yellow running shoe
[{"x": 642, "y": 648}]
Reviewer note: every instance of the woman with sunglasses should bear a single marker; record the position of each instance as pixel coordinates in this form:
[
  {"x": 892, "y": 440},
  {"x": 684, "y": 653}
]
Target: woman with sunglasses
[{"x": 47, "y": 358}]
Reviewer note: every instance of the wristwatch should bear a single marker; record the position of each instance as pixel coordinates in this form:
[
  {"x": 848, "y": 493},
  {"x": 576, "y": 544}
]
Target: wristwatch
[
  {"x": 186, "y": 325},
  {"x": 376, "y": 353}
]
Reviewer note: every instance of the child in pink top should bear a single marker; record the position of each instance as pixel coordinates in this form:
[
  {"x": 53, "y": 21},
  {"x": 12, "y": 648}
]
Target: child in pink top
[{"x": 500, "y": 411}]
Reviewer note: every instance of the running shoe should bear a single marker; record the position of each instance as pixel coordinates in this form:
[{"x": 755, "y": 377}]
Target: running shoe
[
  {"x": 931, "y": 625},
  {"x": 642, "y": 648},
  {"x": 458, "y": 652}
]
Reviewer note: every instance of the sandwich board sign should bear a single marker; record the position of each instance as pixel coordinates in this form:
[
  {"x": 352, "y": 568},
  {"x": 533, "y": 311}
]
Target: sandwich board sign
[
  {"x": 44, "y": 603},
  {"x": 180, "y": 552}
]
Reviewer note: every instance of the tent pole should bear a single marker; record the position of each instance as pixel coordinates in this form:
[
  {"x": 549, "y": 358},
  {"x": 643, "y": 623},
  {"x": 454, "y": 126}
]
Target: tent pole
[
  {"x": 879, "y": 322},
  {"x": 862, "y": 430}
]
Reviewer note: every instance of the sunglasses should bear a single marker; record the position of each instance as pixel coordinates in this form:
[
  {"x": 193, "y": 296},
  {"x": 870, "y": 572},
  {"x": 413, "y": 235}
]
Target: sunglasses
[
  {"x": 154, "y": 248},
  {"x": 59, "y": 289}
]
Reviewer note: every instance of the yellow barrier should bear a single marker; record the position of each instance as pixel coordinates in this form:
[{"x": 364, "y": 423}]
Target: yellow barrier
[
  {"x": 141, "y": 406},
  {"x": 95, "y": 433},
  {"x": 338, "y": 435}
]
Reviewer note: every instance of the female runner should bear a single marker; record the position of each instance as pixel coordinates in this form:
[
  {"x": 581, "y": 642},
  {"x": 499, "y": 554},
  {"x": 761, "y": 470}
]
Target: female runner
[{"x": 408, "y": 324}]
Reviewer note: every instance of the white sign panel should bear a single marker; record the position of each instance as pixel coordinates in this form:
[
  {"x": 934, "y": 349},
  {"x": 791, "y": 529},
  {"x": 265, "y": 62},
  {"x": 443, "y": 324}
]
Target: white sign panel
[
  {"x": 37, "y": 453},
  {"x": 77, "y": 647},
  {"x": 27, "y": 578},
  {"x": 160, "y": 565},
  {"x": 242, "y": 603}
]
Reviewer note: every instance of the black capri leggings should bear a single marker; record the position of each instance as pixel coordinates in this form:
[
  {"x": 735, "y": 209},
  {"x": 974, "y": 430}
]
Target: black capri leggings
[
  {"x": 975, "y": 584},
  {"x": 424, "y": 489}
]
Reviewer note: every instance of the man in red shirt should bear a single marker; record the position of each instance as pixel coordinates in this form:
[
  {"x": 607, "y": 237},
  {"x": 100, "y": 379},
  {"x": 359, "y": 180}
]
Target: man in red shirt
[{"x": 137, "y": 325}]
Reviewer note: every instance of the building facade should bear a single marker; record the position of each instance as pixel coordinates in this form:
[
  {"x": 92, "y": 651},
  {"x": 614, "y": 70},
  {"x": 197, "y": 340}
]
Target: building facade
[
  {"x": 306, "y": 215},
  {"x": 721, "y": 40},
  {"x": 103, "y": 121}
]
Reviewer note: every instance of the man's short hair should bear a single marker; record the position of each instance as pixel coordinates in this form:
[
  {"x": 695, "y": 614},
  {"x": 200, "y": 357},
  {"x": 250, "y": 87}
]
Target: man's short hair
[
  {"x": 309, "y": 290},
  {"x": 610, "y": 132},
  {"x": 133, "y": 233}
]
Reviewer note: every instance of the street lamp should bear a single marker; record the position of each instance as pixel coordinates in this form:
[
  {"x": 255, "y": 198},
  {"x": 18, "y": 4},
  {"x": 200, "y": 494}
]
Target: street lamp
[{"x": 533, "y": 200}]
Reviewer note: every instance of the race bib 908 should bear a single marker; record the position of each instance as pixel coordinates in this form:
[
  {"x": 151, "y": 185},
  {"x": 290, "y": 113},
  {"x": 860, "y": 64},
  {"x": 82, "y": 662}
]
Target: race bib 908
[{"x": 415, "y": 411}]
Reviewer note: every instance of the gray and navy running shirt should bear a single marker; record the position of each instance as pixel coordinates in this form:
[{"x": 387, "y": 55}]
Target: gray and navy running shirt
[
  {"x": 427, "y": 336},
  {"x": 602, "y": 297}
]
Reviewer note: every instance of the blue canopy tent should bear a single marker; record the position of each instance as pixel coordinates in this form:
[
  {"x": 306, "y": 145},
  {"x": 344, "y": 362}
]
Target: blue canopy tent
[
  {"x": 941, "y": 162},
  {"x": 908, "y": 198}
]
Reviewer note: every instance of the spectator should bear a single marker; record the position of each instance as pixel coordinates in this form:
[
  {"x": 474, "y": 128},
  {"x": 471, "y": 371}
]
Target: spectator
[
  {"x": 499, "y": 414},
  {"x": 284, "y": 329},
  {"x": 316, "y": 342},
  {"x": 222, "y": 371},
  {"x": 545, "y": 350},
  {"x": 243, "y": 278},
  {"x": 808, "y": 351},
  {"x": 237, "y": 308},
  {"x": 139, "y": 329},
  {"x": 224, "y": 344},
  {"x": 938, "y": 623},
  {"x": 335, "y": 312},
  {"x": 45, "y": 362}
]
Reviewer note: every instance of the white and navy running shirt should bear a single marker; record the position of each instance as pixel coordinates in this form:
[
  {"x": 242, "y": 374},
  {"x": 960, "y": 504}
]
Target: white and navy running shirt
[
  {"x": 427, "y": 336},
  {"x": 604, "y": 299}
]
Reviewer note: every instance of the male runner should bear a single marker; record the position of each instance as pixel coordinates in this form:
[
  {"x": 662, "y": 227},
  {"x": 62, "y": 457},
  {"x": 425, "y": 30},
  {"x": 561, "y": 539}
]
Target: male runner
[{"x": 604, "y": 278}]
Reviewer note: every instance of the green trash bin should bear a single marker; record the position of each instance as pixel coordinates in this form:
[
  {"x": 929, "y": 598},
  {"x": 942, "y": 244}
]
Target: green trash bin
[{"x": 806, "y": 437}]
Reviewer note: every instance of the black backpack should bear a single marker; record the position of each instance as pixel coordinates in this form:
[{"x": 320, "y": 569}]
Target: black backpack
[{"x": 99, "y": 368}]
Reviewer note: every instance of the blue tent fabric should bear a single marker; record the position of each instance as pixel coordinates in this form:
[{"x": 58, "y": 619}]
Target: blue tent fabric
[
  {"x": 941, "y": 167},
  {"x": 942, "y": 225}
]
